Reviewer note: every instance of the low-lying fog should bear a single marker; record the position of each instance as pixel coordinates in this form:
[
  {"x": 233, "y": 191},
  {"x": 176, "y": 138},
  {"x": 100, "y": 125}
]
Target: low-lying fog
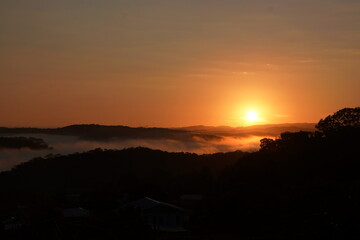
[
  {"x": 196, "y": 139},
  {"x": 67, "y": 144}
]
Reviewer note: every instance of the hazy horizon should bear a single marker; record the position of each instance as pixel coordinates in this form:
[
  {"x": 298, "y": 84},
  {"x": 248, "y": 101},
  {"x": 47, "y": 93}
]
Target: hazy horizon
[
  {"x": 71, "y": 144},
  {"x": 199, "y": 139},
  {"x": 156, "y": 126}
]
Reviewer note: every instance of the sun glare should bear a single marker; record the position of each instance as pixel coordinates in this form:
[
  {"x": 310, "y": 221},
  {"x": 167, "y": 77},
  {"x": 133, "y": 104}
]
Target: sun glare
[{"x": 251, "y": 116}]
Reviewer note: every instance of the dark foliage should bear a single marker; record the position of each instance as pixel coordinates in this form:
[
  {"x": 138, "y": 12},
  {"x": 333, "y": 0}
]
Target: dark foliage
[
  {"x": 346, "y": 118},
  {"x": 301, "y": 185},
  {"x": 23, "y": 142},
  {"x": 102, "y": 178}
]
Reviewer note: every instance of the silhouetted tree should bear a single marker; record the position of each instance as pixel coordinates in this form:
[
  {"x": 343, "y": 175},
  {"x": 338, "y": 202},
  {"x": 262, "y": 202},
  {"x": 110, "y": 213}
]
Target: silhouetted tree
[
  {"x": 267, "y": 144},
  {"x": 344, "y": 118},
  {"x": 287, "y": 140},
  {"x": 296, "y": 136}
]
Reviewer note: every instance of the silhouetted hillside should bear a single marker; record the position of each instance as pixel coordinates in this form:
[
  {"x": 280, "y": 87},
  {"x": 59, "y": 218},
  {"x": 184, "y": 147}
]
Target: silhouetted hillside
[
  {"x": 125, "y": 170},
  {"x": 98, "y": 132},
  {"x": 256, "y": 130},
  {"x": 301, "y": 185}
]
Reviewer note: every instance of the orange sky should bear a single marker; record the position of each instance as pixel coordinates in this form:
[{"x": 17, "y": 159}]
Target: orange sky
[{"x": 177, "y": 63}]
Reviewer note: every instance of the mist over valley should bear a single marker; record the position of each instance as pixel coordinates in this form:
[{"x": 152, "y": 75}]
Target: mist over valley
[{"x": 195, "y": 139}]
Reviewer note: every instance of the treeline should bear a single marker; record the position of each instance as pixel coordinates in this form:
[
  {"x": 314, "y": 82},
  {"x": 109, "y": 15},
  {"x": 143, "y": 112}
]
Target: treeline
[
  {"x": 100, "y": 132},
  {"x": 134, "y": 170},
  {"x": 23, "y": 142}
]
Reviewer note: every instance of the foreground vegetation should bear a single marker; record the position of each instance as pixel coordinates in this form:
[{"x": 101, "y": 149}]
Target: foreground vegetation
[{"x": 302, "y": 185}]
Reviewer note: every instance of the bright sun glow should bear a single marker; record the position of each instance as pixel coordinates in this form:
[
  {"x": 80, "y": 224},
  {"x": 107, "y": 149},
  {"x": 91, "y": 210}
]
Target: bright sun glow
[{"x": 251, "y": 116}]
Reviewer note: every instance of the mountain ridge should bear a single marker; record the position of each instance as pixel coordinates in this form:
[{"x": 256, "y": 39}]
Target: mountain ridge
[{"x": 98, "y": 131}]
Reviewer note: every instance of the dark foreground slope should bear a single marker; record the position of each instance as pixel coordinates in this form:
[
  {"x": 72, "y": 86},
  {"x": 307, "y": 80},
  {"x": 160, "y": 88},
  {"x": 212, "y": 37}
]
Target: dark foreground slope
[
  {"x": 303, "y": 185},
  {"x": 114, "y": 171},
  {"x": 34, "y": 194}
]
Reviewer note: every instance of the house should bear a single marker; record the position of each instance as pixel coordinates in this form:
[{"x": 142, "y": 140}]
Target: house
[
  {"x": 161, "y": 216},
  {"x": 76, "y": 213},
  {"x": 12, "y": 223}
]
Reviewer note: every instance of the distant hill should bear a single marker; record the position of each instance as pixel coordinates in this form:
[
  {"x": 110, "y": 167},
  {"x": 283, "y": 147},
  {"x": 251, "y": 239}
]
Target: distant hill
[
  {"x": 256, "y": 130},
  {"x": 100, "y": 132},
  {"x": 197, "y": 139}
]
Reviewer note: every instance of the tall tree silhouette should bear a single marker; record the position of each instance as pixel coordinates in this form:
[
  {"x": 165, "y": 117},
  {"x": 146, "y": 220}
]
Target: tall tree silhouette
[{"x": 342, "y": 119}]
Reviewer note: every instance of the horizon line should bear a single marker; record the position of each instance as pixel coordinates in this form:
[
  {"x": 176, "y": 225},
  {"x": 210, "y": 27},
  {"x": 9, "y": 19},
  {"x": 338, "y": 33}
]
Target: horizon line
[{"x": 149, "y": 126}]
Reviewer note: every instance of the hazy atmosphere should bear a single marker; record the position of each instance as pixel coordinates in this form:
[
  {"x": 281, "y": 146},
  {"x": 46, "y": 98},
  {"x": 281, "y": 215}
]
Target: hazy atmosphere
[
  {"x": 176, "y": 63},
  {"x": 197, "y": 139},
  {"x": 66, "y": 145}
]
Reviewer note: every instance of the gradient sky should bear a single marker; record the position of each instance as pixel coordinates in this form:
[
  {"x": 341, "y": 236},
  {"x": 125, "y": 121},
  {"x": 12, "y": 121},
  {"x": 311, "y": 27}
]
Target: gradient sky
[{"x": 176, "y": 63}]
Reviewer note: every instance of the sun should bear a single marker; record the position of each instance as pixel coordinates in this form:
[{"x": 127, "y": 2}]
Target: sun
[{"x": 252, "y": 116}]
